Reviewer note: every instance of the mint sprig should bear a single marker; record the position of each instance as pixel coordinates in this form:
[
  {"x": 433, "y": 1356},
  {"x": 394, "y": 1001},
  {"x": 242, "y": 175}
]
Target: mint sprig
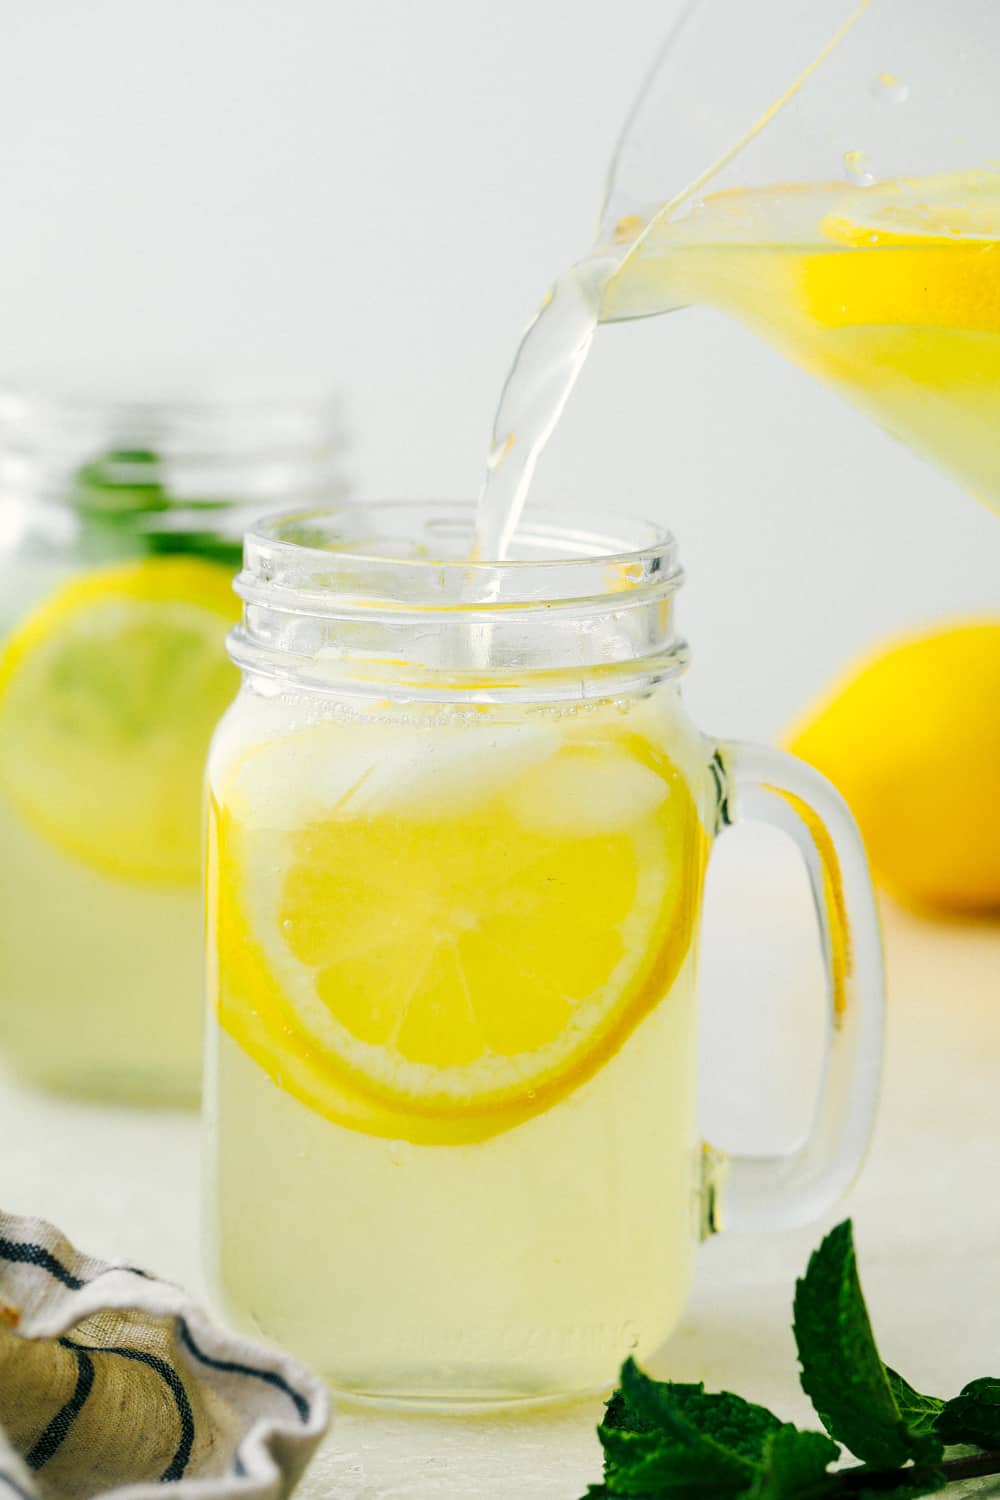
[
  {"x": 842, "y": 1373},
  {"x": 973, "y": 1416},
  {"x": 675, "y": 1440},
  {"x": 664, "y": 1440},
  {"x": 795, "y": 1466}
]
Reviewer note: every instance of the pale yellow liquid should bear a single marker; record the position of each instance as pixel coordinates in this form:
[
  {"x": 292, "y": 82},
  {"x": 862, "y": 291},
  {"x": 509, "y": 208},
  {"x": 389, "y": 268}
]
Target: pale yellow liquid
[
  {"x": 521, "y": 1265},
  {"x": 102, "y": 976},
  {"x": 102, "y": 967},
  {"x": 889, "y": 293},
  {"x": 525, "y": 1266}
]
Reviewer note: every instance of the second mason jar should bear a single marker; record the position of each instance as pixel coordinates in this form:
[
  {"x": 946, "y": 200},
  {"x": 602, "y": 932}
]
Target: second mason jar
[
  {"x": 120, "y": 531},
  {"x": 458, "y": 826}
]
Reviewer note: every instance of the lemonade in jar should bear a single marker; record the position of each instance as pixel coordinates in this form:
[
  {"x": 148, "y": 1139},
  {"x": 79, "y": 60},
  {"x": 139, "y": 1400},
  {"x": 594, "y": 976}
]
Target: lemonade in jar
[
  {"x": 458, "y": 825},
  {"x": 120, "y": 525}
]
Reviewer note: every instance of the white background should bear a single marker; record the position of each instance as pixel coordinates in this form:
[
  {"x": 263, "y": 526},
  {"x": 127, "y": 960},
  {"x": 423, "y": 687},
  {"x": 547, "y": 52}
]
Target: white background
[{"x": 379, "y": 191}]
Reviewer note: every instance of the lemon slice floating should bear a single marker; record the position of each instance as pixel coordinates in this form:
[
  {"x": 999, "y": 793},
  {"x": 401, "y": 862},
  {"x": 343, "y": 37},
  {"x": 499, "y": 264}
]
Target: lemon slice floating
[
  {"x": 920, "y": 211},
  {"x": 458, "y": 937},
  {"x": 109, "y": 692},
  {"x": 936, "y": 260}
]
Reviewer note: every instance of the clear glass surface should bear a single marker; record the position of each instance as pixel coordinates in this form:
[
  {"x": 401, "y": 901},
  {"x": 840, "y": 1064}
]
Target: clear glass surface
[
  {"x": 825, "y": 174},
  {"x": 833, "y": 91}
]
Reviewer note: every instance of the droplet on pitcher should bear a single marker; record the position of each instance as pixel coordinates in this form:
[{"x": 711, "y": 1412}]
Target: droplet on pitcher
[
  {"x": 627, "y": 228},
  {"x": 892, "y": 89},
  {"x": 397, "y": 1151},
  {"x": 857, "y": 168}
]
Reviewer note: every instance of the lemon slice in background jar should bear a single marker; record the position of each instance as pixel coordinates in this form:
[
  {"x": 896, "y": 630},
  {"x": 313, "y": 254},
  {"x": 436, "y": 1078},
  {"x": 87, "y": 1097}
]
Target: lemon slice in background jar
[
  {"x": 109, "y": 693},
  {"x": 454, "y": 936}
]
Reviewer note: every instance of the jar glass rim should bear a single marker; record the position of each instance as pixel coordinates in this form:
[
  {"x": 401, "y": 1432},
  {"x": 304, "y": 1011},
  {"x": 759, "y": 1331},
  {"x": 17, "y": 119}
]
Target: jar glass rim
[
  {"x": 558, "y": 553},
  {"x": 150, "y": 452},
  {"x": 383, "y": 597},
  {"x": 57, "y": 414}
]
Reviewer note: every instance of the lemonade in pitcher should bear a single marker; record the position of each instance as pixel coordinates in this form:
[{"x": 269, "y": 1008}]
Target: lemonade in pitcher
[
  {"x": 836, "y": 190},
  {"x": 890, "y": 293}
]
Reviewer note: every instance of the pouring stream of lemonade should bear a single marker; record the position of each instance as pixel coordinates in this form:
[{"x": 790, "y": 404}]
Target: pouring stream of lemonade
[{"x": 888, "y": 291}]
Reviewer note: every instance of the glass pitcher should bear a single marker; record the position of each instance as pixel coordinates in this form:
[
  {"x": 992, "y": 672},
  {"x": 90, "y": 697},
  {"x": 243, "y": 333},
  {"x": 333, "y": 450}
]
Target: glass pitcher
[
  {"x": 456, "y": 856},
  {"x": 839, "y": 192},
  {"x": 825, "y": 173}
]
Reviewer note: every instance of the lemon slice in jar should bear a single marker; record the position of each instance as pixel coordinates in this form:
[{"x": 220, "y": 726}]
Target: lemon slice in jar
[
  {"x": 447, "y": 937},
  {"x": 109, "y": 692}
]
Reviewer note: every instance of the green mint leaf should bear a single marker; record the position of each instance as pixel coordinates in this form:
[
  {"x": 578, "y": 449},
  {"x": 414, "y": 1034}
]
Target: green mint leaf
[
  {"x": 796, "y": 1467},
  {"x": 842, "y": 1373},
  {"x": 210, "y": 546},
  {"x": 119, "y": 482},
  {"x": 664, "y": 1439},
  {"x": 973, "y": 1417},
  {"x": 646, "y": 1466},
  {"x": 118, "y": 490},
  {"x": 679, "y": 1411},
  {"x": 919, "y": 1412}
]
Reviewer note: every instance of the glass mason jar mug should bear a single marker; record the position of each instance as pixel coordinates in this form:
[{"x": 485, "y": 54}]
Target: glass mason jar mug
[
  {"x": 458, "y": 829},
  {"x": 121, "y": 524}
]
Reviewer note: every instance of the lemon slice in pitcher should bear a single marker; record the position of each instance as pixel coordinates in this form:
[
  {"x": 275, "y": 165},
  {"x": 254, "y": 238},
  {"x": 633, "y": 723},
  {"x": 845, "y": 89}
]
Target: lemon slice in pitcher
[
  {"x": 446, "y": 951},
  {"x": 109, "y": 692},
  {"x": 953, "y": 206},
  {"x": 923, "y": 254}
]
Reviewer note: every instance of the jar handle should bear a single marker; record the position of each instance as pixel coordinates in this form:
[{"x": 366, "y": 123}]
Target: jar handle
[{"x": 756, "y": 784}]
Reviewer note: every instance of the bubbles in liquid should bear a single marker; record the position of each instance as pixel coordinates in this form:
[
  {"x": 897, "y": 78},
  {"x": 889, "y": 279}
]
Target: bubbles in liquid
[
  {"x": 858, "y": 169},
  {"x": 892, "y": 89}
]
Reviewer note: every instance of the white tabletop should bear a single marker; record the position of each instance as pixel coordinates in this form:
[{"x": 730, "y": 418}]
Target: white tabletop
[{"x": 926, "y": 1210}]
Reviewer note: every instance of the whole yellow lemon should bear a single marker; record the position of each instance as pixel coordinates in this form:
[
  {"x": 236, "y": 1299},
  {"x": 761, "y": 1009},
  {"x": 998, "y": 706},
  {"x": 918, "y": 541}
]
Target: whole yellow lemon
[{"x": 911, "y": 737}]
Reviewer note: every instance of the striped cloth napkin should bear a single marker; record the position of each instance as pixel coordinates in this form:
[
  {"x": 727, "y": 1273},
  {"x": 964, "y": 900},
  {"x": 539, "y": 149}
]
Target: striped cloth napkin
[{"x": 112, "y": 1383}]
